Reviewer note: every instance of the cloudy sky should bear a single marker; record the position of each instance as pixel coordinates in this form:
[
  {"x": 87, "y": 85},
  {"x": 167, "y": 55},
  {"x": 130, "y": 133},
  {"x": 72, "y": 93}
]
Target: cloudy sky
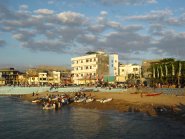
[{"x": 51, "y": 32}]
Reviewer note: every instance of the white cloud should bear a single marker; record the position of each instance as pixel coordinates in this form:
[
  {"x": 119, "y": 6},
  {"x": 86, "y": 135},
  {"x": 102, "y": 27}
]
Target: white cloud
[
  {"x": 23, "y": 7},
  {"x": 72, "y": 18},
  {"x": 18, "y": 36},
  {"x": 103, "y": 13},
  {"x": 129, "y": 2},
  {"x": 44, "y": 11},
  {"x": 164, "y": 17},
  {"x": 71, "y": 31},
  {"x": 172, "y": 43},
  {"x": 152, "y": 16},
  {"x": 114, "y": 24}
]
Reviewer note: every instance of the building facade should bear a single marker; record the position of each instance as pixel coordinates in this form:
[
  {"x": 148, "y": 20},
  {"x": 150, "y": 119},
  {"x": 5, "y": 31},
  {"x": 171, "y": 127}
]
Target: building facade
[
  {"x": 10, "y": 76},
  {"x": 34, "y": 80},
  {"x": 2, "y": 81},
  {"x": 43, "y": 78},
  {"x": 113, "y": 69},
  {"x": 129, "y": 72},
  {"x": 54, "y": 78},
  {"x": 113, "y": 64},
  {"x": 90, "y": 68}
]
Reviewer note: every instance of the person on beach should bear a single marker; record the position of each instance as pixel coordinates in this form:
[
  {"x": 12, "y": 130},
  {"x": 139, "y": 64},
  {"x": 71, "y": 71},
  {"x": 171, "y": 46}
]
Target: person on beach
[{"x": 141, "y": 94}]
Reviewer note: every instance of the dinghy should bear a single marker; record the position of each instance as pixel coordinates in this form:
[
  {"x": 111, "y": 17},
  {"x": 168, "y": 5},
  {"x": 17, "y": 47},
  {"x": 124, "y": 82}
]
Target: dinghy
[
  {"x": 89, "y": 100},
  {"x": 106, "y": 100}
]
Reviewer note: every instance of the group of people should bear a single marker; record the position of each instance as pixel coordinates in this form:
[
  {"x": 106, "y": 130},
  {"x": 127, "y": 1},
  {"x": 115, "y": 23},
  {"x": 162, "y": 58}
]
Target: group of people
[{"x": 55, "y": 101}]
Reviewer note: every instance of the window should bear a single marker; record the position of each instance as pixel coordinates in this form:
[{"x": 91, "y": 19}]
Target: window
[
  {"x": 94, "y": 59},
  {"x": 81, "y": 61},
  {"x": 87, "y": 67},
  {"x": 90, "y": 60},
  {"x": 87, "y": 60},
  {"x": 135, "y": 69},
  {"x": 81, "y": 75},
  {"x": 90, "y": 67},
  {"x": 122, "y": 70}
]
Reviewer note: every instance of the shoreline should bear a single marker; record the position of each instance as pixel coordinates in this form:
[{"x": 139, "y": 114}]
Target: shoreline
[{"x": 162, "y": 105}]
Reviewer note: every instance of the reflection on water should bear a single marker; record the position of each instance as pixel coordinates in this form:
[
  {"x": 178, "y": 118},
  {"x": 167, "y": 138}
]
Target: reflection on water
[{"x": 25, "y": 120}]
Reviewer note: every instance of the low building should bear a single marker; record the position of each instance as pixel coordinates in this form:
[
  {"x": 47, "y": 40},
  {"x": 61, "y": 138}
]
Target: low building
[
  {"x": 129, "y": 72},
  {"x": 54, "y": 78},
  {"x": 33, "y": 80},
  {"x": 10, "y": 75},
  {"x": 43, "y": 78},
  {"x": 22, "y": 80},
  {"x": 2, "y": 81},
  {"x": 66, "y": 77}
]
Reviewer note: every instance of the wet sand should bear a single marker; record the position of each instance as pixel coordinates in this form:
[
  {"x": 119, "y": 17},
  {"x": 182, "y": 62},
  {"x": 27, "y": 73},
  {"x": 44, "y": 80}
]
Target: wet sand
[{"x": 168, "y": 105}]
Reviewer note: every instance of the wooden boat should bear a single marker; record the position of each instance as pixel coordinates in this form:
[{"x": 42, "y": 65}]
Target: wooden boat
[
  {"x": 106, "y": 100},
  {"x": 89, "y": 100},
  {"x": 153, "y": 94},
  {"x": 80, "y": 100},
  {"x": 36, "y": 101},
  {"x": 99, "y": 100}
]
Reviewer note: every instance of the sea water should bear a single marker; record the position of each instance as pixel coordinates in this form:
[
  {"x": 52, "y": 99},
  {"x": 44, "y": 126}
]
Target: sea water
[{"x": 24, "y": 120}]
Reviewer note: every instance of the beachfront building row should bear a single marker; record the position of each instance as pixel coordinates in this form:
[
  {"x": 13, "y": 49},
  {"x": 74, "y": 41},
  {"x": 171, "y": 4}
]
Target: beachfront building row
[
  {"x": 98, "y": 67},
  {"x": 44, "y": 78},
  {"x": 8, "y": 76}
]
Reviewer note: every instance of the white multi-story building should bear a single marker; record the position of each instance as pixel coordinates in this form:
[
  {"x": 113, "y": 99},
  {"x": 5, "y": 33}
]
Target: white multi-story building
[
  {"x": 89, "y": 68},
  {"x": 129, "y": 71}
]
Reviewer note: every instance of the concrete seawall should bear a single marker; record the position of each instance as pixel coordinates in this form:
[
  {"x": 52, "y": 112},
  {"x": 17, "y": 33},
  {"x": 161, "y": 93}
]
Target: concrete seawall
[{"x": 9, "y": 90}]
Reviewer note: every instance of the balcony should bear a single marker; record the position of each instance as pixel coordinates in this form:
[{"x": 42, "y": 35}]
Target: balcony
[
  {"x": 84, "y": 64},
  {"x": 84, "y": 71}
]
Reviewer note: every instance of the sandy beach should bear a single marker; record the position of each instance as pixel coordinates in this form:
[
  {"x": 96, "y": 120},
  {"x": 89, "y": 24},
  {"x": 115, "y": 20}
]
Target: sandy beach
[{"x": 168, "y": 105}]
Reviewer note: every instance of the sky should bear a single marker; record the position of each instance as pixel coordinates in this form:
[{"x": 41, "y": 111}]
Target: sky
[{"x": 51, "y": 32}]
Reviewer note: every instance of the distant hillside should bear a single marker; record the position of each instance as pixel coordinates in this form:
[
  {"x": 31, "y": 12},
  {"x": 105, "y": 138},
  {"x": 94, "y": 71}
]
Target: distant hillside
[{"x": 52, "y": 68}]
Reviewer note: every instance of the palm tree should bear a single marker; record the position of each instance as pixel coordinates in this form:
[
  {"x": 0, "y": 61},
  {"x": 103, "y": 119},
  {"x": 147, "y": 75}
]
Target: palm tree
[{"x": 168, "y": 71}]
